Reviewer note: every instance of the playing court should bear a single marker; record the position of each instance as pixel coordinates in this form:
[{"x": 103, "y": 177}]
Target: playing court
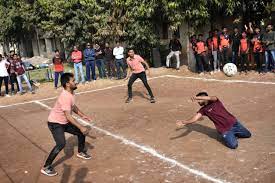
[{"x": 139, "y": 143}]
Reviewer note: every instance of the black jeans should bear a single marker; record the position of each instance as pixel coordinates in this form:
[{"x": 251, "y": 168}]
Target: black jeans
[
  {"x": 259, "y": 59},
  {"x": 6, "y": 81},
  {"x": 202, "y": 63},
  {"x": 59, "y": 137},
  {"x": 244, "y": 62},
  {"x": 224, "y": 56},
  {"x": 143, "y": 78},
  {"x": 13, "y": 80}
]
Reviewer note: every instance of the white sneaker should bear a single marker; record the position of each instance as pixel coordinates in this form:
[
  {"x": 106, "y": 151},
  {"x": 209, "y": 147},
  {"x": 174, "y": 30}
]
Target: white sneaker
[{"x": 7, "y": 95}]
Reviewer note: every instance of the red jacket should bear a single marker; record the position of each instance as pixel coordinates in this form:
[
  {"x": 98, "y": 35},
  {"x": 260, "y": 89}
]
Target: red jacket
[{"x": 76, "y": 56}]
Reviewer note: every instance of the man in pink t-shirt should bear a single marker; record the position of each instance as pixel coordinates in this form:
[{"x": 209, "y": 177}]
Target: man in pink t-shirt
[
  {"x": 226, "y": 124},
  {"x": 136, "y": 68},
  {"x": 61, "y": 120}
]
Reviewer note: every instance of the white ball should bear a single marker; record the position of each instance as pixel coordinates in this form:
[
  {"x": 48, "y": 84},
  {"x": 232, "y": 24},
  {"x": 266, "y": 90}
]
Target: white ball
[{"x": 230, "y": 69}]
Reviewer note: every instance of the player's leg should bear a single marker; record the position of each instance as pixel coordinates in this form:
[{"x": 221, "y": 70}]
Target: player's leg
[
  {"x": 70, "y": 128},
  {"x": 230, "y": 139},
  {"x": 132, "y": 79},
  {"x": 240, "y": 131},
  {"x": 143, "y": 78},
  {"x": 57, "y": 131},
  {"x": 168, "y": 58}
]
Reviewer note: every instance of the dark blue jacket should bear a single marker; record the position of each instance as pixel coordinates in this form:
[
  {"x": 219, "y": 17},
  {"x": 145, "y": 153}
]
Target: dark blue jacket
[{"x": 89, "y": 54}]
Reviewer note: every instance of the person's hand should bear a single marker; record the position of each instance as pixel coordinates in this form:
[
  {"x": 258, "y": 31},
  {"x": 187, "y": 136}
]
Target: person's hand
[
  {"x": 193, "y": 99},
  {"x": 125, "y": 79},
  {"x": 87, "y": 118},
  {"x": 180, "y": 123},
  {"x": 85, "y": 130},
  {"x": 245, "y": 26}
]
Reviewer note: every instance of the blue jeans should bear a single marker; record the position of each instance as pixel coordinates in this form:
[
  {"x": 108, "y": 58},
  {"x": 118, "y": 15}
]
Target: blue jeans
[
  {"x": 78, "y": 66},
  {"x": 269, "y": 61},
  {"x": 19, "y": 80},
  {"x": 56, "y": 77},
  {"x": 237, "y": 131},
  {"x": 90, "y": 66},
  {"x": 234, "y": 57},
  {"x": 120, "y": 64},
  {"x": 101, "y": 68}
]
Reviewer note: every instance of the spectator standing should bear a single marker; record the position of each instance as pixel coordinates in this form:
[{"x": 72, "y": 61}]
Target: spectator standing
[
  {"x": 4, "y": 75},
  {"x": 209, "y": 44},
  {"x": 118, "y": 52},
  {"x": 58, "y": 67},
  {"x": 243, "y": 53},
  {"x": 89, "y": 57},
  {"x": 202, "y": 56},
  {"x": 224, "y": 46},
  {"x": 100, "y": 61},
  {"x": 193, "y": 43},
  {"x": 20, "y": 73},
  {"x": 11, "y": 70},
  {"x": 215, "y": 49},
  {"x": 175, "y": 50},
  {"x": 235, "y": 38},
  {"x": 269, "y": 42},
  {"x": 258, "y": 49},
  {"x": 76, "y": 57},
  {"x": 109, "y": 61}
]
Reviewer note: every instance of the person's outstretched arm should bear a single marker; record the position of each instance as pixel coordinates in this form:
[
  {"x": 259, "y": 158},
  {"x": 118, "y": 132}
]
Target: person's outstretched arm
[
  {"x": 208, "y": 98},
  {"x": 195, "y": 118},
  {"x": 129, "y": 71}
]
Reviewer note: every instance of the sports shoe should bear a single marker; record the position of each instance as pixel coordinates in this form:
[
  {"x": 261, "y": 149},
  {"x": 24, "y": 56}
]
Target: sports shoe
[
  {"x": 7, "y": 95},
  {"x": 83, "y": 155},
  {"x": 152, "y": 100},
  {"x": 49, "y": 171},
  {"x": 128, "y": 100}
]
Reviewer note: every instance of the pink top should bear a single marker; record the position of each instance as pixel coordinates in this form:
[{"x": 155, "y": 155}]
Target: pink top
[
  {"x": 76, "y": 56},
  {"x": 65, "y": 102},
  {"x": 135, "y": 64}
]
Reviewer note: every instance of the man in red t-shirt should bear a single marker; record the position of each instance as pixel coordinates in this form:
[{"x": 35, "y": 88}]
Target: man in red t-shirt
[
  {"x": 226, "y": 124},
  {"x": 243, "y": 53},
  {"x": 58, "y": 67}
]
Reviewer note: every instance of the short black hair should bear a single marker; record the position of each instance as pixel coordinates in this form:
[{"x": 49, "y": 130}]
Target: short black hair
[
  {"x": 56, "y": 51},
  {"x": 200, "y": 35},
  {"x": 201, "y": 94},
  {"x": 65, "y": 78}
]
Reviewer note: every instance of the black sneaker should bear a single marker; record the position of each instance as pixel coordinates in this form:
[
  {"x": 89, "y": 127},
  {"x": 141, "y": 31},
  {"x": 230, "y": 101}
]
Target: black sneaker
[
  {"x": 129, "y": 100},
  {"x": 49, "y": 171},
  {"x": 152, "y": 100},
  {"x": 83, "y": 155}
]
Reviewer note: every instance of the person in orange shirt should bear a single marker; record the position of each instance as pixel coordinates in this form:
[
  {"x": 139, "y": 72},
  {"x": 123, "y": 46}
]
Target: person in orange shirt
[
  {"x": 76, "y": 57},
  {"x": 202, "y": 58},
  {"x": 224, "y": 45},
  {"x": 258, "y": 49},
  {"x": 58, "y": 67},
  {"x": 243, "y": 53},
  {"x": 209, "y": 43}
]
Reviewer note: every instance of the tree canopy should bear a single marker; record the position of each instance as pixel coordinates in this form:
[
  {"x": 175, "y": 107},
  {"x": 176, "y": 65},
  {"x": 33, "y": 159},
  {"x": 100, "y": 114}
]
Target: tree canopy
[{"x": 78, "y": 21}]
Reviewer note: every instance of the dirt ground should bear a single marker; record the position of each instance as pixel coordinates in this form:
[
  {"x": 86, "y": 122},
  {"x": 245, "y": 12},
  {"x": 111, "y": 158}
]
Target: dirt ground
[{"x": 26, "y": 140}]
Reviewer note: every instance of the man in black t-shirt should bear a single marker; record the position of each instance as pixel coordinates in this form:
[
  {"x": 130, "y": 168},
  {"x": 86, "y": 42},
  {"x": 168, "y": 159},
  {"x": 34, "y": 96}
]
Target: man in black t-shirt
[{"x": 175, "y": 49}]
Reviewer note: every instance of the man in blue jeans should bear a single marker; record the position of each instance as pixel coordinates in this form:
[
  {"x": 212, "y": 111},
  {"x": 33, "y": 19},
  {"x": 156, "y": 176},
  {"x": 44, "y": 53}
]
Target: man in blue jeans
[
  {"x": 226, "y": 124},
  {"x": 269, "y": 42},
  {"x": 89, "y": 58}
]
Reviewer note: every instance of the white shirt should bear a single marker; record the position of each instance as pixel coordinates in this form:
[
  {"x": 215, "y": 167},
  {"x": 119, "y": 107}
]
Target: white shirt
[
  {"x": 3, "y": 69},
  {"x": 118, "y": 52}
]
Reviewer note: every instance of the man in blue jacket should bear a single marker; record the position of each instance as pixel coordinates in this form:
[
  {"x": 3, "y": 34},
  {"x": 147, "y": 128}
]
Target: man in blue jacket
[{"x": 89, "y": 57}]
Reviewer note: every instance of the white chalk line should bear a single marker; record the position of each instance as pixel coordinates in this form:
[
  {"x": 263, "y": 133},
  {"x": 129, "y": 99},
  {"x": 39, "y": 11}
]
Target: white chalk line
[
  {"x": 78, "y": 93},
  {"x": 146, "y": 149},
  {"x": 220, "y": 80}
]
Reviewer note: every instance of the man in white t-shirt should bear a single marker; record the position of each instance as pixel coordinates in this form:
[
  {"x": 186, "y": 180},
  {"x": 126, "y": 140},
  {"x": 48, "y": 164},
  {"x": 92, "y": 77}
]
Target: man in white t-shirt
[
  {"x": 118, "y": 52},
  {"x": 4, "y": 75}
]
